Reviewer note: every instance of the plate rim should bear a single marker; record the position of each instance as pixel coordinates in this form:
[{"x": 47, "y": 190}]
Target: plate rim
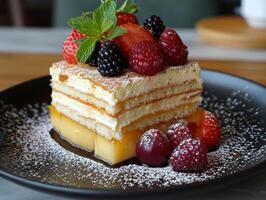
[{"x": 119, "y": 193}]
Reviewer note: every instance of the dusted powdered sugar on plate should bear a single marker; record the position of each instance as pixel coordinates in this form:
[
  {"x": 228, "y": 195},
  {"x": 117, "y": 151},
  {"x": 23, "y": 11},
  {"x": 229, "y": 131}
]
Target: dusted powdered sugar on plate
[{"x": 30, "y": 151}]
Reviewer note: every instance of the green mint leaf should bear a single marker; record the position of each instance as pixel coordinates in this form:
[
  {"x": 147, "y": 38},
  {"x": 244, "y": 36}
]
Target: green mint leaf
[
  {"x": 86, "y": 47},
  {"x": 128, "y": 7},
  {"x": 78, "y": 22},
  {"x": 84, "y": 24},
  {"x": 117, "y": 31},
  {"x": 105, "y": 16}
]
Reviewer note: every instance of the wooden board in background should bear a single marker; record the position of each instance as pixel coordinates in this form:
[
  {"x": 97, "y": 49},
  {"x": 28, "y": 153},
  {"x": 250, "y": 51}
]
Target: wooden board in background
[{"x": 231, "y": 31}]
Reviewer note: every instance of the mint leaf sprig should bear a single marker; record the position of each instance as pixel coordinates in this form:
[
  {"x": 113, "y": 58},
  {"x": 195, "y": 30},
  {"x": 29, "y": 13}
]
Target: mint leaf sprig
[{"x": 97, "y": 26}]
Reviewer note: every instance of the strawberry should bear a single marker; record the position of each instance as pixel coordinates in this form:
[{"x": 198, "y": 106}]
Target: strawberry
[
  {"x": 70, "y": 47},
  {"x": 126, "y": 18},
  {"x": 135, "y": 34},
  {"x": 206, "y": 126}
]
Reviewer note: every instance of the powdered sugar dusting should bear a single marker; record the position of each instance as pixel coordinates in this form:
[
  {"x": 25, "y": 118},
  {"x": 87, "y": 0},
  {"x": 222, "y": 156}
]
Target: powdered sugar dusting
[{"x": 29, "y": 150}]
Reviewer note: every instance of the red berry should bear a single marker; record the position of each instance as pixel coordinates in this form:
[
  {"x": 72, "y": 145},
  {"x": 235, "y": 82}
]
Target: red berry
[
  {"x": 210, "y": 131},
  {"x": 178, "y": 132},
  {"x": 172, "y": 47},
  {"x": 189, "y": 156},
  {"x": 146, "y": 58},
  {"x": 70, "y": 47},
  {"x": 204, "y": 125},
  {"x": 126, "y": 18},
  {"x": 153, "y": 148},
  {"x": 135, "y": 34}
]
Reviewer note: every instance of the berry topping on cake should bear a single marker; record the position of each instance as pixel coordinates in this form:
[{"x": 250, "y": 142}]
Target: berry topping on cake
[
  {"x": 110, "y": 60},
  {"x": 146, "y": 49},
  {"x": 70, "y": 47},
  {"x": 146, "y": 58},
  {"x": 189, "y": 156},
  {"x": 126, "y": 18},
  {"x": 97, "y": 26},
  {"x": 172, "y": 48},
  {"x": 93, "y": 58},
  {"x": 155, "y": 25},
  {"x": 178, "y": 132},
  {"x": 135, "y": 34},
  {"x": 153, "y": 148}
]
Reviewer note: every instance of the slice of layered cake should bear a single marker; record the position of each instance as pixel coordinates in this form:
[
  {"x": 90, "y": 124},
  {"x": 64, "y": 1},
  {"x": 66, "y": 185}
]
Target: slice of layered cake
[
  {"x": 120, "y": 79},
  {"x": 108, "y": 115}
]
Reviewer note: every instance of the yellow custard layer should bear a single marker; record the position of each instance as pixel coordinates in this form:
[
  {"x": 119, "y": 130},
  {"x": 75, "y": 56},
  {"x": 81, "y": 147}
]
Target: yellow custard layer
[{"x": 111, "y": 151}]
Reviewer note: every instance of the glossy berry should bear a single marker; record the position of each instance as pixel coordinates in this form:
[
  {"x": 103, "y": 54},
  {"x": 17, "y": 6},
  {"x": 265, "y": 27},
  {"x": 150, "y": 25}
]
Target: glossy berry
[
  {"x": 155, "y": 25},
  {"x": 178, "y": 132},
  {"x": 126, "y": 18},
  {"x": 93, "y": 58},
  {"x": 153, "y": 148},
  {"x": 210, "y": 131},
  {"x": 172, "y": 48},
  {"x": 135, "y": 34},
  {"x": 146, "y": 58},
  {"x": 110, "y": 60},
  {"x": 189, "y": 156},
  {"x": 70, "y": 47}
]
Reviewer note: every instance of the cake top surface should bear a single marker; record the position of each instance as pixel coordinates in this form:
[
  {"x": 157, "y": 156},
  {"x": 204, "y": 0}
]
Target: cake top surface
[{"x": 85, "y": 72}]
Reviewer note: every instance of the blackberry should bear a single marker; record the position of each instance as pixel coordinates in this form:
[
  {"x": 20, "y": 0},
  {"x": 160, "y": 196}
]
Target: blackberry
[
  {"x": 110, "y": 60},
  {"x": 155, "y": 25},
  {"x": 93, "y": 58}
]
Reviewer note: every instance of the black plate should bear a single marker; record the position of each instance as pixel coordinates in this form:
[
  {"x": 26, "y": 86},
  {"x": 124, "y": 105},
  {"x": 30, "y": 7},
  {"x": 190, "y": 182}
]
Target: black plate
[{"x": 31, "y": 157}]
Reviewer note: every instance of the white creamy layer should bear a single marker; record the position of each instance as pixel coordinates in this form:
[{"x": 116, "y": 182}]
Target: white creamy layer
[
  {"x": 136, "y": 86},
  {"x": 118, "y": 135},
  {"x": 125, "y": 118},
  {"x": 85, "y": 86},
  {"x": 130, "y": 103},
  {"x": 88, "y": 122}
]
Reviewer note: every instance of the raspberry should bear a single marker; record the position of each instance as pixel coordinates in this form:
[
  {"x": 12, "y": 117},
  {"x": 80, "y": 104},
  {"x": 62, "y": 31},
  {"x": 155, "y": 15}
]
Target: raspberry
[
  {"x": 146, "y": 58},
  {"x": 93, "y": 58},
  {"x": 155, "y": 25},
  {"x": 172, "y": 48},
  {"x": 189, "y": 156},
  {"x": 153, "y": 148},
  {"x": 110, "y": 60},
  {"x": 178, "y": 132},
  {"x": 126, "y": 18},
  {"x": 70, "y": 47}
]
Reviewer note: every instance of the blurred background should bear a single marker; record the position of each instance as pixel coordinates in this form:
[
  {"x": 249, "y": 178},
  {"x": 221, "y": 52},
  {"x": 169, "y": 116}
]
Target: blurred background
[{"x": 55, "y": 13}]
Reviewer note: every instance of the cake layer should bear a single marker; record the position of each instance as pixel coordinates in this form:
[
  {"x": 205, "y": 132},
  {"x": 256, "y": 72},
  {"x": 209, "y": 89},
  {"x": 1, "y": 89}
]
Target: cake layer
[
  {"x": 116, "y": 89},
  {"x": 111, "y": 151},
  {"x": 125, "y": 118},
  {"x": 112, "y": 110},
  {"x": 75, "y": 133},
  {"x": 149, "y": 120}
]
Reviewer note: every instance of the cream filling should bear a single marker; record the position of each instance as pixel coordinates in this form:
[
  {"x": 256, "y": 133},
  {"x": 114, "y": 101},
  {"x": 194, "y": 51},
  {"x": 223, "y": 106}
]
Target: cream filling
[
  {"x": 125, "y": 118},
  {"x": 134, "y": 87},
  {"x": 101, "y": 129},
  {"x": 84, "y": 110},
  {"x": 130, "y": 103}
]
